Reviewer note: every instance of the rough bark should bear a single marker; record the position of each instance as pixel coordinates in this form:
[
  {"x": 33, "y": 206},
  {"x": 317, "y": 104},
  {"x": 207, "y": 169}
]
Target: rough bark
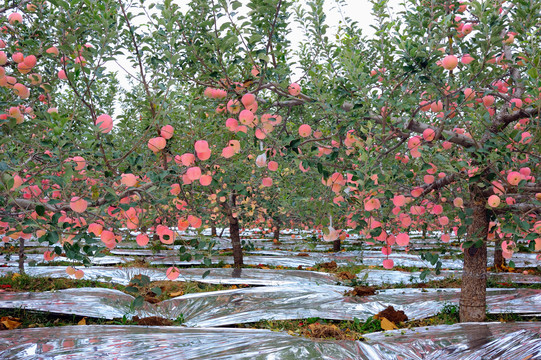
[
  {"x": 336, "y": 246},
  {"x": 276, "y": 231},
  {"x": 234, "y": 231},
  {"x": 21, "y": 256},
  {"x": 213, "y": 230},
  {"x": 235, "y": 241},
  {"x": 499, "y": 261},
  {"x": 474, "y": 276}
]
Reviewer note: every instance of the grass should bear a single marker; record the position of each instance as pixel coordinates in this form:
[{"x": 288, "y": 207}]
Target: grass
[
  {"x": 39, "y": 284},
  {"x": 168, "y": 288},
  {"x": 320, "y": 328},
  {"x": 354, "y": 329},
  {"x": 33, "y": 319}
]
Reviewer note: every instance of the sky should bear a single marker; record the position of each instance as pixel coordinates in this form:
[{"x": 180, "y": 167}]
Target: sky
[{"x": 357, "y": 10}]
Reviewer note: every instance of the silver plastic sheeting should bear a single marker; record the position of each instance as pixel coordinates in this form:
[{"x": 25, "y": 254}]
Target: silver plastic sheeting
[
  {"x": 521, "y": 260},
  {"x": 92, "y": 302},
  {"x": 278, "y": 303},
  {"x": 216, "y": 276},
  {"x": 380, "y": 277},
  {"x": 467, "y": 341},
  {"x": 505, "y": 341},
  {"x": 138, "y": 342},
  {"x": 292, "y": 261},
  {"x": 393, "y": 277},
  {"x": 515, "y": 278},
  {"x": 220, "y": 308},
  {"x": 268, "y": 277},
  {"x": 400, "y": 259}
]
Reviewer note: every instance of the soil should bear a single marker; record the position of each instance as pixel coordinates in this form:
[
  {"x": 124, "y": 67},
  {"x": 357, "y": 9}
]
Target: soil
[
  {"x": 393, "y": 315},
  {"x": 151, "y": 299},
  {"x": 329, "y": 265},
  {"x": 346, "y": 275},
  {"x": 361, "y": 291},
  {"x": 152, "y": 321},
  {"x": 303, "y": 254},
  {"x": 322, "y": 331}
]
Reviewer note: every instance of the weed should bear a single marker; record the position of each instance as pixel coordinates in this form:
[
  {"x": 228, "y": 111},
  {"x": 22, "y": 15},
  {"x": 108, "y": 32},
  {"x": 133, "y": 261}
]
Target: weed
[
  {"x": 28, "y": 283},
  {"x": 449, "y": 314}
]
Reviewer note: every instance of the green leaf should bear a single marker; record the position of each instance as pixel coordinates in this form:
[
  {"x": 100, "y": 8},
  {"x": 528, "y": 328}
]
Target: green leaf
[
  {"x": 40, "y": 210},
  {"x": 138, "y": 302},
  {"x": 156, "y": 290},
  {"x": 533, "y": 73},
  {"x": 132, "y": 289}
]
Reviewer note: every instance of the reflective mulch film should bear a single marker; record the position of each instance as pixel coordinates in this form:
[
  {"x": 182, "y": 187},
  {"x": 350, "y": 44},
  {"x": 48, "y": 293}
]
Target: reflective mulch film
[
  {"x": 138, "y": 342},
  {"x": 467, "y": 341},
  {"x": 260, "y": 277},
  {"x": 290, "y": 261},
  {"x": 379, "y": 277},
  {"x": 92, "y": 302},
  {"x": 220, "y": 308},
  {"x": 267, "y": 277},
  {"x": 479, "y": 341}
]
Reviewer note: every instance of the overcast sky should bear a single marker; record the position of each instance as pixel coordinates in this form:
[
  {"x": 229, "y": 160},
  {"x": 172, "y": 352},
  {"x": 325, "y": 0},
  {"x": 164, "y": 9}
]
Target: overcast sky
[{"x": 357, "y": 10}]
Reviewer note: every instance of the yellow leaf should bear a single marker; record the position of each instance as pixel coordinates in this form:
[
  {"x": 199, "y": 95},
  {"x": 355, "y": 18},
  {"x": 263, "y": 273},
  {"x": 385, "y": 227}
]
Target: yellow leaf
[
  {"x": 15, "y": 276},
  {"x": 82, "y": 322},
  {"x": 10, "y": 323},
  {"x": 387, "y": 325},
  {"x": 175, "y": 294}
]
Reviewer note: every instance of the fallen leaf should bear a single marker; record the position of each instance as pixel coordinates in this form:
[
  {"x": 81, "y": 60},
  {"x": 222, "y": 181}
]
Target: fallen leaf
[
  {"x": 15, "y": 276},
  {"x": 82, "y": 321},
  {"x": 175, "y": 294},
  {"x": 387, "y": 325},
  {"x": 10, "y": 323}
]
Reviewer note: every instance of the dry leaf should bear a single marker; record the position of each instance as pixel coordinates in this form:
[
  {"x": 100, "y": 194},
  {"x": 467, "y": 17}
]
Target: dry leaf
[
  {"x": 175, "y": 294},
  {"x": 82, "y": 321},
  {"x": 9, "y": 322},
  {"x": 15, "y": 276},
  {"x": 387, "y": 325}
]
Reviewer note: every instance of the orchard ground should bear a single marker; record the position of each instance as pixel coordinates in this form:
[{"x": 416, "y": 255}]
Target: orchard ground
[
  {"x": 430, "y": 126},
  {"x": 299, "y": 259}
]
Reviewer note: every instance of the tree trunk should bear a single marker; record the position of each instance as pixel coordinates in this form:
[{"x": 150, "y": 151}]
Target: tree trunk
[
  {"x": 499, "y": 261},
  {"x": 276, "y": 231},
  {"x": 21, "y": 256},
  {"x": 213, "y": 230},
  {"x": 474, "y": 276},
  {"x": 235, "y": 241},
  {"x": 336, "y": 245},
  {"x": 234, "y": 231}
]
